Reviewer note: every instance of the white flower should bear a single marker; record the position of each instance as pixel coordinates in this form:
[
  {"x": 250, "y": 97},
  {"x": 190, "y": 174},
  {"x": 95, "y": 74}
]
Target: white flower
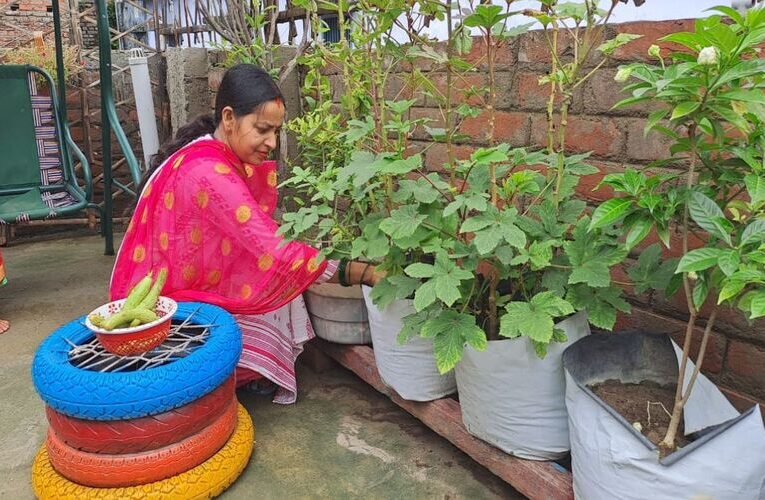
[
  {"x": 654, "y": 51},
  {"x": 693, "y": 276},
  {"x": 707, "y": 56},
  {"x": 623, "y": 74}
]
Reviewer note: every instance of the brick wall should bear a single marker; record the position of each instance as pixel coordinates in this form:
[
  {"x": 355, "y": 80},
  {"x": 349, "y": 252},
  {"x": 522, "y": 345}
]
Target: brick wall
[
  {"x": 735, "y": 357},
  {"x": 20, "y": 18}
]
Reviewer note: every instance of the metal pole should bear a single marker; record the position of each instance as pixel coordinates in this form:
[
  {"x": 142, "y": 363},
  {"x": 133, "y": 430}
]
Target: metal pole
[
  {"x": 60, "y": 76},
  {"x": 105, "y": 75}
]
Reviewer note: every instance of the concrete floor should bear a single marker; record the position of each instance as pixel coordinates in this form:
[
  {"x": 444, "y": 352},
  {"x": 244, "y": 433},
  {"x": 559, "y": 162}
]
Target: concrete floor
[{"x": 341, "y": 440}]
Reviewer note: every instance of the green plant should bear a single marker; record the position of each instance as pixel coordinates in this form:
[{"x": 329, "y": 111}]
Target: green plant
[
  {"x": 506, "y": 242},
  {"x": 713, "y": 110},
  {"x": 497, "y": 246},
  {"x": 44, "y": 57}
]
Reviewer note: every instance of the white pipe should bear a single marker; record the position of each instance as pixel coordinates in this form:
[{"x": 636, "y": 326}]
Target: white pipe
[{"x": 144, "y": 103}]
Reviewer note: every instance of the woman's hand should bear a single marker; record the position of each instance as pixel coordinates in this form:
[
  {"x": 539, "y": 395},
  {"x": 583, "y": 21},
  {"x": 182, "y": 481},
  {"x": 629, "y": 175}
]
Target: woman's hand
[
  {"x": 372, "y": 275},
  {"x": 357, "y": 273}
]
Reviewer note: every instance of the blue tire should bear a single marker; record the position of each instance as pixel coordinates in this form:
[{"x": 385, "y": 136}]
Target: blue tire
[{"x": 94, "y": 395}]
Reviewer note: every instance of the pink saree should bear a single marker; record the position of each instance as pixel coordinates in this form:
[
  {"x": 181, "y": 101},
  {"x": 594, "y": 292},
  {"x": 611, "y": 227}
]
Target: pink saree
[{"x": 207, "y": 218}]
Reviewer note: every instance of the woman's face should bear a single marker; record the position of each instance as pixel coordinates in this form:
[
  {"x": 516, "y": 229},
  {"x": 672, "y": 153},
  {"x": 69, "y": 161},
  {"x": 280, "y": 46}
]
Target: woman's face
[{"x": 253, "y": 136}]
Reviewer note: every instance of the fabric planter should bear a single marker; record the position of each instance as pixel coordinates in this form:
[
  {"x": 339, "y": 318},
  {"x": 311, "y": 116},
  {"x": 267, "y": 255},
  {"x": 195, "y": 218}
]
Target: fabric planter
[
  {"x": 514, "y": 400},
  {"x": 611, "y": 459},
  {"x": 338, "y": 313},
  {"x": 408, "y": 369}
]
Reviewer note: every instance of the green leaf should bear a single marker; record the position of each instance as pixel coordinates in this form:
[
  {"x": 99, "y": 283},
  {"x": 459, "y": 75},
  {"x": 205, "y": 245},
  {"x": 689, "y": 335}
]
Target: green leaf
[
  {"x": 700, "y": 293},
  {"x": 521, "y": 319},
  {"x": 653, "y": 119},
  {"x": 383, "y": 293},
  {"x": 699, "y": 259},
  {"x": 477, "y": 223},
  {"x": 420, "y": 270},
  {"x": 487, "y": 240},
  {"x": 592, "y": 272},
  {"x": 609, "y": 212},
  {"x": 551, "y": 304},
  {"x": 361, "y": 168},
  {"x": 755, "y": 186},
  {"x": 450, "y": 331},
  {"x": 411, "y": 326},
  {"x": 729, "y": 261},
  {"x": 754, "y": 232},
  {"x": 731, "y": 287},
  {"x": 709, "y": 216},
  {"x": 400, "y": 167},
  {"x": 683, "y": 109},
  {"x": 609, "y": 46},
  {"x": 425, "y": 295},
  {"x": 403, "y": 222},
  {"x": 638, "y": 232},
  {"x": 757, "y": 305}
]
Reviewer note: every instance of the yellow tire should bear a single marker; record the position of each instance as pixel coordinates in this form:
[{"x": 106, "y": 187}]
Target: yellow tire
[{"x": 207, "y": 480}]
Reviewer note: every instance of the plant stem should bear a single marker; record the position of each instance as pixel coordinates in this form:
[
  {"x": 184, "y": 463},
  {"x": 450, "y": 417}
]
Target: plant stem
[
  {"x": 668, "y": 443},
  {"x": 449, "y": 131}
]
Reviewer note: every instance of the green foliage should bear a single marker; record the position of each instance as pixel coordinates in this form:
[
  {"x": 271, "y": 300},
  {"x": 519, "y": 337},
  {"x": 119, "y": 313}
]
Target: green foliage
[
  {"x": 496, "y": 246},
  {"x": 714, "y": 112}
]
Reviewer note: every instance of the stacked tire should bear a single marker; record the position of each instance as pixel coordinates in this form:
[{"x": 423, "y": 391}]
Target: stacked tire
[{"x": 170, "y": 431}]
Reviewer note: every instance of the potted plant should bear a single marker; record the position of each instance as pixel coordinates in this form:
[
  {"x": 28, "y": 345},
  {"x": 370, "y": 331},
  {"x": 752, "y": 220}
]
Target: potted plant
[
  {"x": 345, "y": 182},
  {"x": 510, "y": 271},
  {"x": 712, "y": 107}
]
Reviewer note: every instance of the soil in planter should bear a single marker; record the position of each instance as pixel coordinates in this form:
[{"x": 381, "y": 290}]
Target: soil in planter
[{"x": 639, "y": 402}]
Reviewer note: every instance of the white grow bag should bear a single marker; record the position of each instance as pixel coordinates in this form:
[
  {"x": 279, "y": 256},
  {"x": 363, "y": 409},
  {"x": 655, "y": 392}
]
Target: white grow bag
[
  {"x": 611, "y": 460},
  {"x": 408, "y": 369},
  {"x": 514, "y": 400}
]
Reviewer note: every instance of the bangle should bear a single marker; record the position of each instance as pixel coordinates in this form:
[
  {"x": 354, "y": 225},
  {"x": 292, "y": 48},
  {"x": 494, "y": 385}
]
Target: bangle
[{"x": 341, "y": 269}]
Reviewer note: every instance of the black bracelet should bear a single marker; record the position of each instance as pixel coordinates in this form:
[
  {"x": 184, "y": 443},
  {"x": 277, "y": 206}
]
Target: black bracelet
[{"x": 341, "y": 268}]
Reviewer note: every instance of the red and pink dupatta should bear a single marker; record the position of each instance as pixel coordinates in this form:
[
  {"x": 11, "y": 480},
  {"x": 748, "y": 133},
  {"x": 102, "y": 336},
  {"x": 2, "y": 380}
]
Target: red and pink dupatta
[{"x": 207, "y": 218}]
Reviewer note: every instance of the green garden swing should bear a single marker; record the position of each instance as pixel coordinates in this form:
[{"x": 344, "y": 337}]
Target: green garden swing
[{"x": 38, "y": 179}]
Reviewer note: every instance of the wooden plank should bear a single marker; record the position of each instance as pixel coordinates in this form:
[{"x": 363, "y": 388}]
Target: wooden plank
[{"x": 536, "y": 480}]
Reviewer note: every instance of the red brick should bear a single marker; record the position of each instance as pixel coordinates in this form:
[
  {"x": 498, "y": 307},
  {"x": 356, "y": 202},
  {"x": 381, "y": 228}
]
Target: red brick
[
  {"x": 601, "y": 135},
  {"x": 649, "y": 321},
  {"x": 460, "y": 83},
  {"x": 436, "y": 155},
  {"x": 399, "y": 87},
  {"x": 745, "y": 368},
  {"x": 504, "y": 58},
  {"x": 512, "y": 128},
  {"x": 740, "y": 401},
  {"x": 531, "y": 95},
  {"x": 588, "y": 183},
  {"x": 534, "y": 48},
  {"x": 652, "y": 31},
  {"x": 654, "y": 146},
  {"x": 431, "y": 113},
  {"x": 601, "y": 93}
]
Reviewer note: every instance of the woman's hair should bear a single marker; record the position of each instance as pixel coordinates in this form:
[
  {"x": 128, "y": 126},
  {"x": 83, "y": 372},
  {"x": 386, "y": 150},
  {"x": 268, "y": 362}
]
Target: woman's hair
[{"x": 245, "y": 87}]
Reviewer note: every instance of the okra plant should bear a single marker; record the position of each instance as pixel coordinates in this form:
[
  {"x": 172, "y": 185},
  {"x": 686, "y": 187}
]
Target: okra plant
[{"x": 713, "y": 110}]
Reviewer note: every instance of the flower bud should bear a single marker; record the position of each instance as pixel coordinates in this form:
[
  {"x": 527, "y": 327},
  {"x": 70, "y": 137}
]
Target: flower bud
[
  {"x": 623, "y": 74},
  {"x": 707, "y": 56},
  {"x": 654, "y": 51}
]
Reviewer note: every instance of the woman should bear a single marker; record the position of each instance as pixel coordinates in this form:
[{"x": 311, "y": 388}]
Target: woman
[
  {"x": 4, "y": 325},
  {"x": 205, "y": 214}
]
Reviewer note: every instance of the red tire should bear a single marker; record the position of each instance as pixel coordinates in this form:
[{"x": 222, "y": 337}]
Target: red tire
[
  {"x": 114, "y": 471},
  {"x": 145, "y": 433}
]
